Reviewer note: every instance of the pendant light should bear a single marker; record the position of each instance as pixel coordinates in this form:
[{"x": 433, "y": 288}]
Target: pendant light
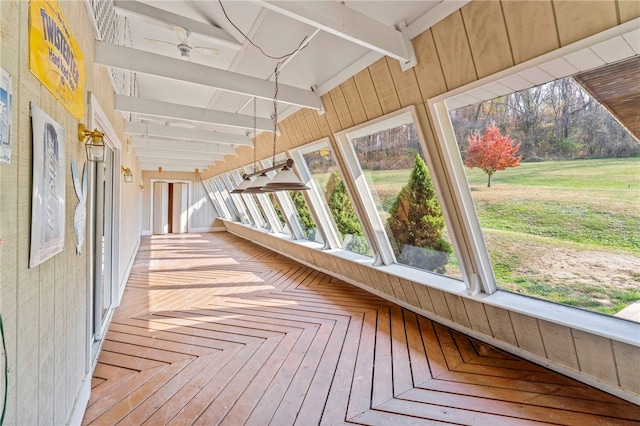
[
  {"x": 259, "y": 185},
  {"x": 243, "y": 186},
  {"x": 286, "y": 179}
]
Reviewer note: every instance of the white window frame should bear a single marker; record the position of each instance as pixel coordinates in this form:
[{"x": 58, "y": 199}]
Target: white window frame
[
  {"x": 271, "y": 217},
  {"x": 257, "y": 218},
  {"x": 331, "y": 240},
  {"x": 243, "y": 215},
  {"x": 568, "y": 60},
  {"x": 365, "y": 198},
  {"x": 216, "y": 199},
  {"x": 226, "y": 197},
  {"x": 286, "y": 204}
]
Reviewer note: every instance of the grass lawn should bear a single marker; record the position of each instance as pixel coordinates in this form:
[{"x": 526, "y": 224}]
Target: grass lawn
[{"x": 565, "y": 231}]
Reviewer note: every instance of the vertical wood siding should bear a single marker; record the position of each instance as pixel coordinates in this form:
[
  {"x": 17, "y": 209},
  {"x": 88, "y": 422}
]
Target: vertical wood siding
[{"x": 44, "y": 309}]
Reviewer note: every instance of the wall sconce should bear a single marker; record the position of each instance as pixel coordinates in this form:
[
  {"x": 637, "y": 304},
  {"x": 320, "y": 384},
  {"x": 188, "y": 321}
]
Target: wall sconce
[
  {"x": 159, "y": 169},
  {"x": 93, "y": 142},
  {"x": 126, "y": 172}
]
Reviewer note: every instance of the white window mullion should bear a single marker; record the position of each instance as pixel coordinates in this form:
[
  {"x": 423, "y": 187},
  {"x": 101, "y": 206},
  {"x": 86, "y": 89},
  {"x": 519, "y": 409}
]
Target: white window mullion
[
  {"x": 383, "y": 253},
  {"x": 288, "y": 209},
  {"x": 316, "y": 205},
  {"x": 467, "y": 234}
]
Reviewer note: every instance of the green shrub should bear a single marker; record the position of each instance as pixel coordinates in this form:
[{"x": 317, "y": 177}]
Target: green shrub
[{"x": 417, "y": 225}]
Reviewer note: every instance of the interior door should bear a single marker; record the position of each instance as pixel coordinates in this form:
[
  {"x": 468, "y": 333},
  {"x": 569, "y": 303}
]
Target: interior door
[
  {"x": 101, "y": 241},
  {"x": 179, "y": 208},
  {"x": 160, "y": 208}
]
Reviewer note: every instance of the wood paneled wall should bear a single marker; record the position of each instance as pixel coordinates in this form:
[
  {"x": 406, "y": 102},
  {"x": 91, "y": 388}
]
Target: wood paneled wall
[
  {"x": 479, "y": 40},
  {"x": 44, "y": 309}
]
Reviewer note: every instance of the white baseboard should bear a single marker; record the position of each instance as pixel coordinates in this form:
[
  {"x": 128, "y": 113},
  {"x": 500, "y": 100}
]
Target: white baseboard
[
  {"x": 80, "y": 405},
  {"x": 145, "y": 233},
  {"x": 123, "y": 283},
  {"x": 209, "y": 229}
]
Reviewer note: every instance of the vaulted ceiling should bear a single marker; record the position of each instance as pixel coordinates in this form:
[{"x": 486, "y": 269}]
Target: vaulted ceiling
[{"x": 188, "y": 113}]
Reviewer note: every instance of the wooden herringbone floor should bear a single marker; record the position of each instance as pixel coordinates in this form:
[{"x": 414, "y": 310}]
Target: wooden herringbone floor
[{"x": 215, "y": 330}]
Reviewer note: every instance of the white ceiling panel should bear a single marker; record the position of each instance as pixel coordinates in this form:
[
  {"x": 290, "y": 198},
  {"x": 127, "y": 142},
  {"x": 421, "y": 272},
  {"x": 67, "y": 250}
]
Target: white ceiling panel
[
  {"x": 584, "y": 59},
  {"x": 613, "y": 50},
  {"x": 633, "y": 40},
  {"x": 515, "y": 82},
  {"x": 497, "y": 89},
  {"x": 319, "y": 61},
  {"x": 482, "y": 94},
  {"x": 277, "y": 35},
  {"x": 536, "y": 75},
  {"x": 177, "y": 92},
  {"x": 559, "y": 68}
]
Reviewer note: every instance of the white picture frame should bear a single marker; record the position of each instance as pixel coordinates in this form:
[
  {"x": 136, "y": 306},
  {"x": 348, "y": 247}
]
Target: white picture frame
[
  {"x": 6, "y": 115},
  {"x": 48, "y": 196}
]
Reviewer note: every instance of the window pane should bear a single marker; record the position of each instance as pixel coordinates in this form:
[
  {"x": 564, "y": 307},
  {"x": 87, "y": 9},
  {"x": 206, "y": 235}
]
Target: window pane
[
  {"x": 237, "y": 201},
  {"x": 309, "y": 228},
  {"x": 562, "y": 223},
  {"x": 289, "y": 209},
  {"x": 391, "y": 158},
  {"x": 326, "y": 176},
  {"x": 278, "y": 210},
  {"x": 260, "y": 211}
]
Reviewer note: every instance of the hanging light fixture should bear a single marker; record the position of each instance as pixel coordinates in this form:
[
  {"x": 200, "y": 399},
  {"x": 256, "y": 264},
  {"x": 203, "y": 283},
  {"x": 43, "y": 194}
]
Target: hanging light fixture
[
  {"x": 286, "y": 180},
  {"x": 257, "y": 186},
  {"x": 246, "y": 181}
]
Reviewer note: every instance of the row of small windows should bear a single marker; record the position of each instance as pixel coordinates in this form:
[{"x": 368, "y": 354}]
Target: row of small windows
[{"x": 382, "y": 206}]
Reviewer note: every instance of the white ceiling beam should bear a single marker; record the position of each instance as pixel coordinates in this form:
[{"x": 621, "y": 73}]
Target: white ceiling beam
[
  {"x": 202, "y": 115},
  {"x": 163, "y": 162},
  {"x": 344, "y": 22},
  {"x": 185, "y": 169},
  {"x": 144, "y": 12},
  {"x": 188, "y": 134},
  {"x": 143, "y": 153},
  {"x": 112, "y": 55},
  {"x": 145, "y": 142}
]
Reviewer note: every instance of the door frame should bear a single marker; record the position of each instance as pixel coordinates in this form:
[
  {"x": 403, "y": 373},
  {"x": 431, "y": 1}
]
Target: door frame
[
  {"x": 189, "y": 197},
  {"x": 97, "y": 118}
]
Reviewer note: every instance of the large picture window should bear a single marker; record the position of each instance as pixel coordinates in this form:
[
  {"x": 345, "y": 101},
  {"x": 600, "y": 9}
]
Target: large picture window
[
  {"x": 560, "y": 210},
  {"x": 316, "y": 163},
  {"x": 388, "y": 164}
]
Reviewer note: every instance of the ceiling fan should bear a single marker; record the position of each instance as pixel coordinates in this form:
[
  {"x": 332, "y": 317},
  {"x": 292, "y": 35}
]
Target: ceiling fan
[{"x": 183, "y": 45}]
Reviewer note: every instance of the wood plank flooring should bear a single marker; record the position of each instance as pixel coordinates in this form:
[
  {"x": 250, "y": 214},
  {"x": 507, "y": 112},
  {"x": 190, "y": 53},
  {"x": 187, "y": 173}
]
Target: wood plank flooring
[{"x": 214, "y": 330}]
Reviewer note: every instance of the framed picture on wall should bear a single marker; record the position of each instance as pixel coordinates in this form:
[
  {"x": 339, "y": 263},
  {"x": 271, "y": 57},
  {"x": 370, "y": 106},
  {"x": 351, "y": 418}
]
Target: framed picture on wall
[
  {"x": 48, "y": 197},
  {"x": 6, "y": 100}
]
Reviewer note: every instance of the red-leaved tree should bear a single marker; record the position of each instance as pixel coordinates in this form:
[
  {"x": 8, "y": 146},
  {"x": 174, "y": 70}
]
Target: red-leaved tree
[{"x": 491, "y": 151}]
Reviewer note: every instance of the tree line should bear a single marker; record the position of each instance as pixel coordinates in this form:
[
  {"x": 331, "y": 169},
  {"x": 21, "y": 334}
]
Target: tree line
[{"x": 554, "y": 121}]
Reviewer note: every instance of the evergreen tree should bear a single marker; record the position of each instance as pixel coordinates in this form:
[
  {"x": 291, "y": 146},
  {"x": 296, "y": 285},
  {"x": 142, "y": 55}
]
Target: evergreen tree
[
  {"x": 417, "y": 225},
  {"x": 306, "y": 220},
  {"x": 344, "y": 214}
]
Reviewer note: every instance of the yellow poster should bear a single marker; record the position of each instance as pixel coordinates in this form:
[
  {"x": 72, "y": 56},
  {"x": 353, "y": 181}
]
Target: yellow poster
[{"x": 55, "y": 57}]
